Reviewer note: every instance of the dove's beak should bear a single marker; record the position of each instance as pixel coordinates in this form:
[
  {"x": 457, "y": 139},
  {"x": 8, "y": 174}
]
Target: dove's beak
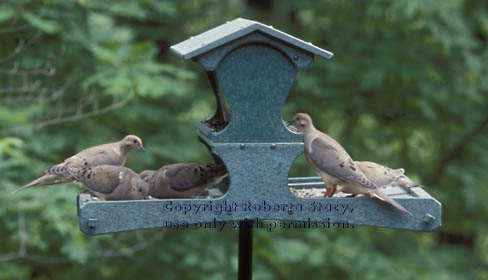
[{"x": 142, "y": 148}]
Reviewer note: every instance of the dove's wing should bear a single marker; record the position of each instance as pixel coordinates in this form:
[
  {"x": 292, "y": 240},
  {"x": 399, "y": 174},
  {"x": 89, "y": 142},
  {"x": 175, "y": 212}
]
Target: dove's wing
[
  {"x": 379, "y": 174},
  {"x": 103, "y": 154},
  {"x": 331, "y": 158},
  {"x": 102, "y": 179},
  {"x": 186, "y": 176}
]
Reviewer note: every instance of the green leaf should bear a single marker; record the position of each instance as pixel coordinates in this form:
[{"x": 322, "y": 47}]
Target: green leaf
[
  {"x": 6, "y": 13},
  {"x": 48, "y": 26}
]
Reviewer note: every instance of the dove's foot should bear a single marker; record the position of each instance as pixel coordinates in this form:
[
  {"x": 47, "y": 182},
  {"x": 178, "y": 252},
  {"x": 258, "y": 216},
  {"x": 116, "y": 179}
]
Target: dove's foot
[
  {"x": 330, "y": 191},
  {"x": 327, "y": 190}
]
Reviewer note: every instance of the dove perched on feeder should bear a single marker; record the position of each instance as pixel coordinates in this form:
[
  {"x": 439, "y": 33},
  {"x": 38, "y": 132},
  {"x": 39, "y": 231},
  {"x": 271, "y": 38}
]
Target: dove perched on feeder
[
  {"x": 378, "y": 174},
  {"x": 110, "y": 153},
  {"x": 110, "y": 182},
  {"x": 183, "y": 180},
  {"x": 331, "y": 161}
]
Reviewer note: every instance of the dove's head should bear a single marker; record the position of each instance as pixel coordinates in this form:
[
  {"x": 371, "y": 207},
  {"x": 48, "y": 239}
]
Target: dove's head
[
  {"x": 140, "y": 189},
  {"x": 301, "y": 121},
  {"x": 147, "y": 175},
  {"x": 132, "y": 142}
]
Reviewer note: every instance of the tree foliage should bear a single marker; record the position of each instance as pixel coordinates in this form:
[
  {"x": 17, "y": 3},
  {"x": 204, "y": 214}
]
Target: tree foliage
[{"x": 407, "y": 87}]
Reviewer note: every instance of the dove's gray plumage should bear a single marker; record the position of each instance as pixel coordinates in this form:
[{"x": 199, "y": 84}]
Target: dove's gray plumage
[
  {"x": 110, "y": 153},
  {"x": 379, "y": 174},
  {"x": 382, "y": 175},
  {"x": 183, "y": 180},
  {"x": 110, "y": 182},
  {"x": 336, "y": 167}
]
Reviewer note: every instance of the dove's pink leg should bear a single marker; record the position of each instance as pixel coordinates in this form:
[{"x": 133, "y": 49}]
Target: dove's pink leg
[
  {"x": 327, "y": 190},
  {"x": 333, "y": 190},
  {"x": 330, "y": 191}
]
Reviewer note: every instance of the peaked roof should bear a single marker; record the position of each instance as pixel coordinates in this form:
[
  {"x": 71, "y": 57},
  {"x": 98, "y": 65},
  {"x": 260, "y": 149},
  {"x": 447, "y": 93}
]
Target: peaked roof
[{"x": 233, "y": 30}]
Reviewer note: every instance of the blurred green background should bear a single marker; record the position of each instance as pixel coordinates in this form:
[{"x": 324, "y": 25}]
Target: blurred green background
[{"x": 407, "y": 87}]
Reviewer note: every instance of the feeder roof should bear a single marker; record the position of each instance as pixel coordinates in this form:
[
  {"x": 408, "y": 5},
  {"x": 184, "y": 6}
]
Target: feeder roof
[{"x": 233, "y": 30}]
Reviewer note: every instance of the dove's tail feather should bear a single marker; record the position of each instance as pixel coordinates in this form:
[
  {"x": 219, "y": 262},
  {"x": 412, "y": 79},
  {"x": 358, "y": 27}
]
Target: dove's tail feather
[
  {"x": 404, "y": 180},
  {"x": 59, "y": 169},
  {"x": 216, "y": 173},
  {"x": 217, "y": 170},
  {"x": 382, "y": 196},
  {"x": 39, "y": 181},
  {"x": 57, "y": 182}
]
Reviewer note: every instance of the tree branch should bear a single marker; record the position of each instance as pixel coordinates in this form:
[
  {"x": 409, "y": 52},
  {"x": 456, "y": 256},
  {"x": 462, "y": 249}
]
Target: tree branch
[
  {"x": 456, "y": 151},
  {"x": 75, "y": 117}
]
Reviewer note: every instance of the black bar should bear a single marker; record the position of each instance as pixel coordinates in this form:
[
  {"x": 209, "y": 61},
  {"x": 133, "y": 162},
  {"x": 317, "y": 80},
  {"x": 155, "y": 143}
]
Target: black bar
[{"x": 244, "y": 270}]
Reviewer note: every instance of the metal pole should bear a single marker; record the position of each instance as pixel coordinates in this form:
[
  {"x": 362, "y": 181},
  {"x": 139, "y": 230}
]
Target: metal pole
[{"x": 244, "y": 270}]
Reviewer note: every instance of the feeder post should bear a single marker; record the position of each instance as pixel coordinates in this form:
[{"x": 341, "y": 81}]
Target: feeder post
[{"x": 244, "y": 269}]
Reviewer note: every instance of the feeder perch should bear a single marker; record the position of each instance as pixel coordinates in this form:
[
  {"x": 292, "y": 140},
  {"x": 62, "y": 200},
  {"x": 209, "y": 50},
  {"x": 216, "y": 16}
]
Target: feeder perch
[{"x": 251, "y": 68}]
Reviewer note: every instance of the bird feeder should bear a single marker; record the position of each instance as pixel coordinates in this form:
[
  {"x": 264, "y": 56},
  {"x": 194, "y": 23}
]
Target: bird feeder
[{"x": 251, "y": 68}]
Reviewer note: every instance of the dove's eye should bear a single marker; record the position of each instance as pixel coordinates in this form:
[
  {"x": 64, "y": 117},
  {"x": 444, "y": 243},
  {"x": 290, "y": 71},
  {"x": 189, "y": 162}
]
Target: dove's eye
[
  {"x": 298, "y": 118},
  {"x": 135, "y": 141},
  {"x": 140, "y": 190}
]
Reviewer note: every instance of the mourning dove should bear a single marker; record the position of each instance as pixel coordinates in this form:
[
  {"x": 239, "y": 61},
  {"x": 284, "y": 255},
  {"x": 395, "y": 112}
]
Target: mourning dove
[
  {"x": 331, "y": 161},
  {"x": 183, "y": 180},
  {"x": 111, "y": 154},
  {"x": 110, "y": 182},
  {"x": 378, "y": 174}
]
